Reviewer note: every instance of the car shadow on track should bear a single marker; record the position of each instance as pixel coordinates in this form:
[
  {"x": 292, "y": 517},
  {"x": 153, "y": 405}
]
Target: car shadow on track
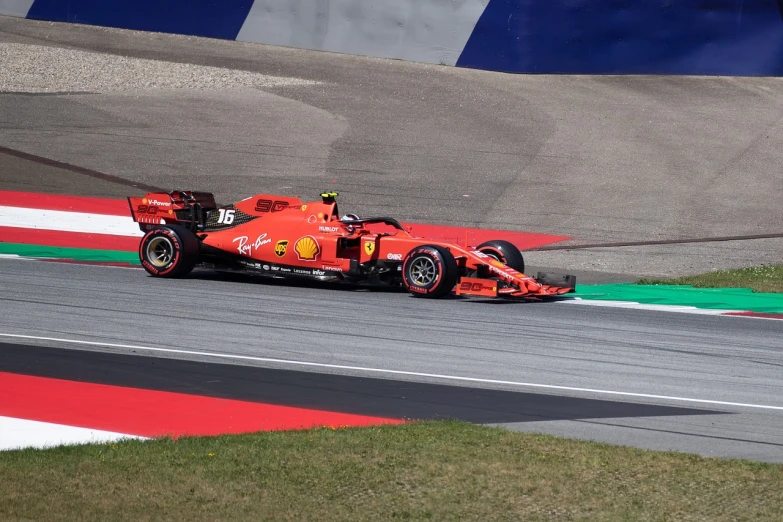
[{"x": 248, "y": 278}]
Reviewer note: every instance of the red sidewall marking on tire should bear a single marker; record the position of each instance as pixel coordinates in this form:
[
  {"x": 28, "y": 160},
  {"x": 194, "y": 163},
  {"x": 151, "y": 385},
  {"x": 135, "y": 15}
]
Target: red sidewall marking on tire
[
  {"x": 497, "y": 252},
  {"x": 421, "y": 289},
  {"x": 150, "y": 413},
  {"x": 175, "y": 255}
]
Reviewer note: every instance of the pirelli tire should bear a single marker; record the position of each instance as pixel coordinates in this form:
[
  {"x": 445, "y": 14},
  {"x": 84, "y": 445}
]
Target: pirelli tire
[
  {"x": 429, "y": 271},
  {"x": 169, "y": 251},
  {"x": 504, "y": 252}
]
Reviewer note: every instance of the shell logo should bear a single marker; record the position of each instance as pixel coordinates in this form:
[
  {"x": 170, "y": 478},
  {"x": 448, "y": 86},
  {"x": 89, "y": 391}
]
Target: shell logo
[{"x": 307, "y": 248}]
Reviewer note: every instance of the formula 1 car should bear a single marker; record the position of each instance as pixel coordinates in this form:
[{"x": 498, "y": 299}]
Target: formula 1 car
[{"x": 282, "y": 236}]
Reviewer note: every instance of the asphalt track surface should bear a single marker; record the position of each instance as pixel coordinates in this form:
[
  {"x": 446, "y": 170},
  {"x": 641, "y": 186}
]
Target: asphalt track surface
[
  {"x": 601, "y": 159},
  {"x": 448, "y": 354}
]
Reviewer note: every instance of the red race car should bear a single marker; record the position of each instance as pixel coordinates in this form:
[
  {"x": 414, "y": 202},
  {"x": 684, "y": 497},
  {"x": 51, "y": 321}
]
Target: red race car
[{"x": 282, "y": 236}]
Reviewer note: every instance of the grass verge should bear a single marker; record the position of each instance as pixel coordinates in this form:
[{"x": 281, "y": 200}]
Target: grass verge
[
  {"x": 768, "y": 279},
  {"x": 418, "y": 471}
]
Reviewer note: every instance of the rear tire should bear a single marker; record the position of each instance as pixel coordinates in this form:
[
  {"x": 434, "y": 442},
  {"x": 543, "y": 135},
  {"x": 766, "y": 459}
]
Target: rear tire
[
  {"x": 429, "y": 271},
  {"x": 169, "y": 251},
  {"x": 504, "y": 252}
]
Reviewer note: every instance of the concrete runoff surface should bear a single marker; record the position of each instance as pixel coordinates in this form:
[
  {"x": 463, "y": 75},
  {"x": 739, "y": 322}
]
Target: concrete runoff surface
[
  {"x": 602, "y": 159},
  {"x": 253, "y": 322}
]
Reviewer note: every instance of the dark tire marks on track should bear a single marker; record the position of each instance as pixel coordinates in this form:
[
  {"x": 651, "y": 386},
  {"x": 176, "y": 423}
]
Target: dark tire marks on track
[{"x": 79, "y": 170}]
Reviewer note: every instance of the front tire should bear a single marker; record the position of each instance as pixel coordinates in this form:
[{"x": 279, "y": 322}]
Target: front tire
[
  {"x": 505, "y": 252},
  {"x": 169, "y": 251},
  {"x": 429, "y": 271}
]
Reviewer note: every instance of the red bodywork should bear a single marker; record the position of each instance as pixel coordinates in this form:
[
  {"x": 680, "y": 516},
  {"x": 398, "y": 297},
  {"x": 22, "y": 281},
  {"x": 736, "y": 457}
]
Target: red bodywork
[{"x": 284, "y": 236}]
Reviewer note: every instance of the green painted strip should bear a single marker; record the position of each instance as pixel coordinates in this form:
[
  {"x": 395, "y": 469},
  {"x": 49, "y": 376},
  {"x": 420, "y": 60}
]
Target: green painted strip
[
  {"x": 685, "y": 295},
  {"x": 80, "y": 254}
]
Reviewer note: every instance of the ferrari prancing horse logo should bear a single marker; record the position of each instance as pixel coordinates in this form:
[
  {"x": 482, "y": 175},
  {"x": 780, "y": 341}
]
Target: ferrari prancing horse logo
[{"x": 369, "y": 247}]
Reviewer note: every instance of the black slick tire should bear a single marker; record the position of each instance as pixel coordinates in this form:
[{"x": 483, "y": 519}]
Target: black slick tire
[
  {"x": 169, "y": 251},
  {"x": 429, "y": 271},
  {"x": 504, "y": 252}
]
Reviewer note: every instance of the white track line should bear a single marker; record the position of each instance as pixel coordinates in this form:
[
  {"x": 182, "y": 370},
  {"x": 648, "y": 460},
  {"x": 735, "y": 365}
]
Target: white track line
[
  {"x": 392, "y": 372},
  {"x": 19, "y": 217},
  {"x": 686, "y": 309},
  {"x": 22, "y": 433}
]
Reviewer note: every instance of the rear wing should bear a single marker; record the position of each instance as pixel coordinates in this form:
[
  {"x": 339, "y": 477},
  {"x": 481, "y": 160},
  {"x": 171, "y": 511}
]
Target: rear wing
[{"x": 185, "y": 208}]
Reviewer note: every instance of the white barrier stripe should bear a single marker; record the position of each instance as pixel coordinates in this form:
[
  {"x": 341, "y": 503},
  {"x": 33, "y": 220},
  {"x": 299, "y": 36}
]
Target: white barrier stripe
[
  {"x": 18, "y": 8},
  {"x": 58, "y": 220},
  {"x": 435, "y": 31}
]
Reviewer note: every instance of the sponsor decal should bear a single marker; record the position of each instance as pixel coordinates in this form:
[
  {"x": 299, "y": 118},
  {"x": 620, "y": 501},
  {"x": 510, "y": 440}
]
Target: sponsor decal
[
  {"x": 309, "y": 271},
  {"x": 275, "y": 268},
  {"x": 505, "y": 273},
  {"x": 475, "y": 287},
  {"x": 497, "y": 263},
  {"x": 158, "y": 203},
  {"x": 332, "y": 268},
  {"x": 281, "y": 247},
  {"x": 307, "y": 248},
  {"x": 479, "y": 254},
  {"x": 394, "y": 257},
  {"x": 267, "y": 205},
  {"x": 369, "y": 247},
  {"x": 247, "y": 249},
  {"x": 328, "y": 229},
  {"x": 146, "y": 209},
  {"x": 418, "y": 290},
  {"x": 312, "y": 219},
  {"x": 265, "y": 267}
]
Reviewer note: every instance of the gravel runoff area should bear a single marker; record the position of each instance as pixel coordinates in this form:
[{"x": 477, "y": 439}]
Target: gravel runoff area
[{"x": 34, "y": 68}]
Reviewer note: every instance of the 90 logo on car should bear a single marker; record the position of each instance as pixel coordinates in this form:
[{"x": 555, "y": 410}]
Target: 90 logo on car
[
  {"x": 474, "y": 287},
  {"x": 267, "y": 205},
  {"x": 146, "y": 209}
]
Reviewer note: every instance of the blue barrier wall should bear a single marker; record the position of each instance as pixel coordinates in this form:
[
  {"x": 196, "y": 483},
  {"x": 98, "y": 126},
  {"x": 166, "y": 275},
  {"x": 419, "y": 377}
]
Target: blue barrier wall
[
  {"x": 702, "y": 37},
  {"x": 712, "y": 37},
  {"x": 212, "y": 18}
]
